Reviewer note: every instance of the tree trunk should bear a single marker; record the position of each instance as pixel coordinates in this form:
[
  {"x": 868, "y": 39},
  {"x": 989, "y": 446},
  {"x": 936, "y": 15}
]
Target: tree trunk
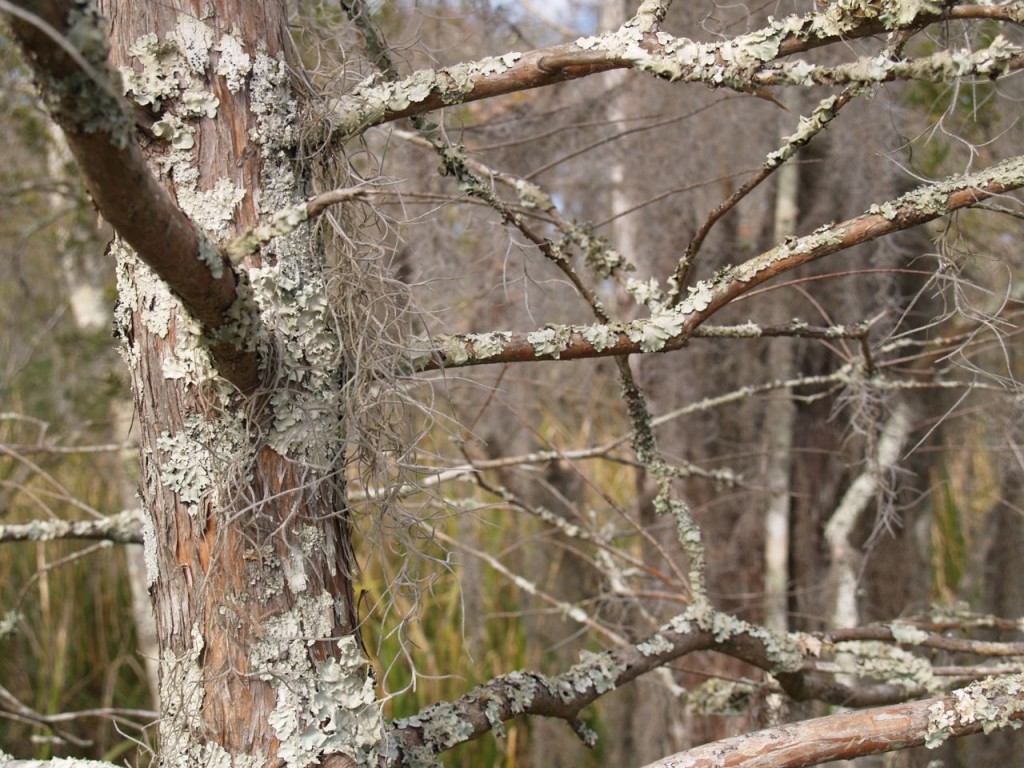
[{"x": 248, "y": 543}]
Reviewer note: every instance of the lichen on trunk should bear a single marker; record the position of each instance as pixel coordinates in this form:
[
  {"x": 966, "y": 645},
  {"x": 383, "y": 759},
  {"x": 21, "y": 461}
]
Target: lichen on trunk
[{"x": 248, "y": 537}]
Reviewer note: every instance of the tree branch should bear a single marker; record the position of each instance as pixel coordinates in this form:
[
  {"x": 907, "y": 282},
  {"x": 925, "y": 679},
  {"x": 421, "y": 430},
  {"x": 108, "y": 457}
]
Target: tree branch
[
  {"x": 670, "y": 329},
  {"x": 445, "y": 725},
  {"x": 640, "y": 45},
  {"x": 95, "y": 121},
  {"x": 123, "y": 528},
  {"x": 6, "y": 761}
]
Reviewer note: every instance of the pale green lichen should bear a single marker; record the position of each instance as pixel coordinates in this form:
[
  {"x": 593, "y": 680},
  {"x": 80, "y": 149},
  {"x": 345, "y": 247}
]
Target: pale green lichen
[
  {"x": 87, "y": 31},
  {"x": 654, "y": 646},
  {"x": 783, "y": 651},
  {"x": 324, "y": 706},
  {"x": 598, "y": 255},
  {"x": 193, "y": 455},
  {"x": 487, "y": 345},
  {"x": 234, "y": 63},
  {"x": 193, "y": 41},
  {"x": 999, "y": 58},
  {"x": 521, "y": 690},
  {"x": 139, "y": 287},
  {"x": 290, "y": 287},
  {"x": 454, "y": 350},
  {"x": 156, "y": 80},
  {"x": 720, "y": 697},
  {"x": 9, "y": 624},
  {"x": 550, "y": 341},
  {"x": 533, "y": 197},
  {"x": 601, "y": 337},
  {"x": 492, "y": 711},
  {"x": 372, "y": 100},
  {"x": 991, "y": 703},
  {"x": 647, "y": 293},
  {"x": 443, "y": 726},
  {"x": 807, "y": 129},
  {"x": 210, "y": 255},
  {"x": 283, "y": 222},
  {"x": 698, "y": 298},
  {"x": 166, "y": 78},
  {"x": 653, "y": 333},
  {"x": 172, "y": 130},
  {"x": 597, "y": 671},
  {"x": 732, "y": 62},
  {"x": 212, "y": 209},
  {"x": 884, "y": 662},
  {"x": 907, "y": 634},
  {"x": 199, "y": 103}
]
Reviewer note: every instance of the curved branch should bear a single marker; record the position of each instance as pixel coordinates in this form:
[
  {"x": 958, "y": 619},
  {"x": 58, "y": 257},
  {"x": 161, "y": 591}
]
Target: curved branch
[
  {"x": 639, "y": 45},
  {"x": 699, "y": 628},
  {"x": 671, "y": 329},
  {"x": 99, "y": 133}
]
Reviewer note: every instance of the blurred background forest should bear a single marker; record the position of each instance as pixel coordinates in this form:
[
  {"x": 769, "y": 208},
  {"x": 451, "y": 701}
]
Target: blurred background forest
[{"x": 534, "y": 512}]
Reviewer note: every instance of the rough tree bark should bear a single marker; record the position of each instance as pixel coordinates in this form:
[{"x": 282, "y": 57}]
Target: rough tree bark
[
  {"x": 253, "y": 561},
  {"x": 247, "y": 534}
]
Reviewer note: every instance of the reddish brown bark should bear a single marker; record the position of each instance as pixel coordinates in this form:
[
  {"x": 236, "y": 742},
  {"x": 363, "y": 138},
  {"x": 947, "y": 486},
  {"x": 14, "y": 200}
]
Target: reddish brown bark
[
  {"x": 215, "y": 558},
  {"x": 123, "y": 187}
]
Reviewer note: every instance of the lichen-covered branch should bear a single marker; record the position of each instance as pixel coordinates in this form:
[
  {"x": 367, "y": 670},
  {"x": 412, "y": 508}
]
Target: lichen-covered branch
[
  {"x": 287, "y": 220},
  {"x": 122, "y": 528},
  {"x": 671, "y": 328},
  {"x": 442, "y": 726},
  {"x": 640, "y": 44},
  {"x": 418, "y": 739},
  {"x": 6, "y": 761},
  {"x": 94, "y": 118},
  {"x": 982, "y": 706},
  {"x": 809, "y": 127},
  {"x": 999, "y": 58},
  {"x": 913, "y": 631}
]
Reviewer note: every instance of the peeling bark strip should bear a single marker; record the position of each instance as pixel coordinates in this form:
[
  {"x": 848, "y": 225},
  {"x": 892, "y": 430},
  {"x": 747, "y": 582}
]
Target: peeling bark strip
[
  {"x": 93, "y": 115},
  {"x": 671, "y": 328}
]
